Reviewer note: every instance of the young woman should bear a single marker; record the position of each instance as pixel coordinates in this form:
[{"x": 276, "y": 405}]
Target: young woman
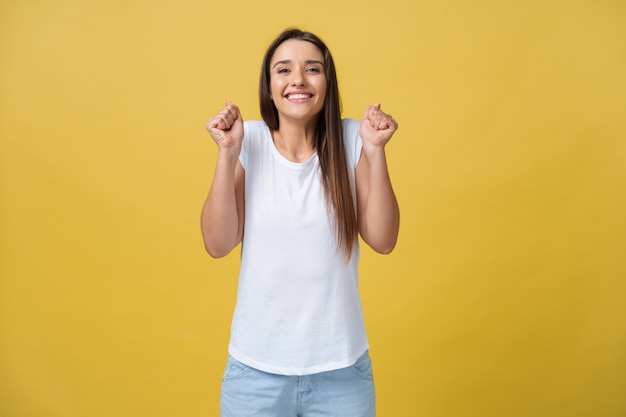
[{"x": 297, "y": 189}]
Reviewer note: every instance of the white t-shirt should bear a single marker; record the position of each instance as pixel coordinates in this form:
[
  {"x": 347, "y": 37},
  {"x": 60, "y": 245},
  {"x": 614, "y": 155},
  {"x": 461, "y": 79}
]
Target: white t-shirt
[{"x": 298, "y": 308}]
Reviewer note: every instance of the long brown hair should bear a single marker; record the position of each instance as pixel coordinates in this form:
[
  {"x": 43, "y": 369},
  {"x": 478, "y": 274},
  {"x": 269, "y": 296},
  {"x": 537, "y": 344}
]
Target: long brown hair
[{"x": 329, "y": 143}]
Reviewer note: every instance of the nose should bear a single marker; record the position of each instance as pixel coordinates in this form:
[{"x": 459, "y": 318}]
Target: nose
[{"x": 297, "y": 78}]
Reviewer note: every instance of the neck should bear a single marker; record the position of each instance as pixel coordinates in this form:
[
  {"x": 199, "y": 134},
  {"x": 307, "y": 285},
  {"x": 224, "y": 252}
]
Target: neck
[{"x": 295, "y": 141}]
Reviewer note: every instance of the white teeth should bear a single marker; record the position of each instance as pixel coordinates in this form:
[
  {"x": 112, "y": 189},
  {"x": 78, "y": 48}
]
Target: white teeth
[{"x": 297, "y": 96}]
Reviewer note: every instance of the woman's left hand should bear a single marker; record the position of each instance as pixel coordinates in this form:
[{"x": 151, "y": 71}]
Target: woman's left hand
[{"x": 377, "y": 127}]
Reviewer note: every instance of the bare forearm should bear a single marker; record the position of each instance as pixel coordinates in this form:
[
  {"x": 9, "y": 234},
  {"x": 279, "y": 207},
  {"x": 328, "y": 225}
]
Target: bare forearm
[
  {"x": 380, "y": 217},
  {"x": 222, "y": 220}
]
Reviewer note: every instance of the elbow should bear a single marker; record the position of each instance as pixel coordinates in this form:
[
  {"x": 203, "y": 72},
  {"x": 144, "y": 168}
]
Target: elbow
[
  {"x": 381, "y": 236},
  {"x": 217, "y": 244},
  {"x": 385, "y": 249},
  {"x": 382, "y": 246},
  {"x": 217, "y": 251}
]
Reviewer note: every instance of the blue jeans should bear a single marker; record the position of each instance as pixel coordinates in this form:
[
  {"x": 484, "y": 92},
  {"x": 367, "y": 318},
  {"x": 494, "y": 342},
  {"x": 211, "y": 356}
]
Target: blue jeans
[{"x": 346, "y": 392}]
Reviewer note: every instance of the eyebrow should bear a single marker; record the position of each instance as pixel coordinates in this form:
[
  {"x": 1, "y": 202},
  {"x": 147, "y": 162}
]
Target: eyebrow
[{"x": 308, "y": 61}]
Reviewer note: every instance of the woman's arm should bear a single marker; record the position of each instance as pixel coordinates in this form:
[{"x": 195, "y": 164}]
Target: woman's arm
[
  {"x": 377, "y": 208},
  {"x": 223, "y": 212}
]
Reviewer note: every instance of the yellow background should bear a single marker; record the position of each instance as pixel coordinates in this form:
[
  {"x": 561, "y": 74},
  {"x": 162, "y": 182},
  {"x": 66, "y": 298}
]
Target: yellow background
[{"x": 506, "y": 295}]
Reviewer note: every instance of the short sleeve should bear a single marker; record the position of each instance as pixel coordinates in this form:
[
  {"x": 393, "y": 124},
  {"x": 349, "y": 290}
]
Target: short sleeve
[
  {"x": 352, "y": 141},
  {"x": 252, "y": 133}
]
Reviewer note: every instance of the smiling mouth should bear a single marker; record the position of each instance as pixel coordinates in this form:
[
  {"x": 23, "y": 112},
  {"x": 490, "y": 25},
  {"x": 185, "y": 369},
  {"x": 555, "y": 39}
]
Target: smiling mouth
[{"x": 299, "y": 96}]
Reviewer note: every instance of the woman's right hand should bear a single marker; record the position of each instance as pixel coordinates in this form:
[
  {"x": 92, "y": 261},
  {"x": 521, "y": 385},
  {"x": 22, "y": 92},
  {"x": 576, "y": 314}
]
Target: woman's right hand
[{"x": 226, "y": 127}]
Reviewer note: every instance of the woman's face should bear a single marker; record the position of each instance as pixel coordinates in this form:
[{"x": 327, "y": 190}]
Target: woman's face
[{"x": 298, "y": 80}]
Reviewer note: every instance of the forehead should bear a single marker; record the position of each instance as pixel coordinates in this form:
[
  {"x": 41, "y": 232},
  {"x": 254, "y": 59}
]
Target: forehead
[{"x": 297, "y": 50}]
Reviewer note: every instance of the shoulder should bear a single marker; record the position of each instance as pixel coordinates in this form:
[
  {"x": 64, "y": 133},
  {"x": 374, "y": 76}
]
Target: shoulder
[
  {"x": 255, "y": 127},
  {"x": 352, "y": 140},
  {"x": 254, "y": 133},
  {"x": 351, "y": 127}
]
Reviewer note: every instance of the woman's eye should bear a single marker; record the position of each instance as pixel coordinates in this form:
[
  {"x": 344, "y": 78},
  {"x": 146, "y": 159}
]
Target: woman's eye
[
  {"x": 283, "y": 70},
  {"x": 314, "y": 69}
]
